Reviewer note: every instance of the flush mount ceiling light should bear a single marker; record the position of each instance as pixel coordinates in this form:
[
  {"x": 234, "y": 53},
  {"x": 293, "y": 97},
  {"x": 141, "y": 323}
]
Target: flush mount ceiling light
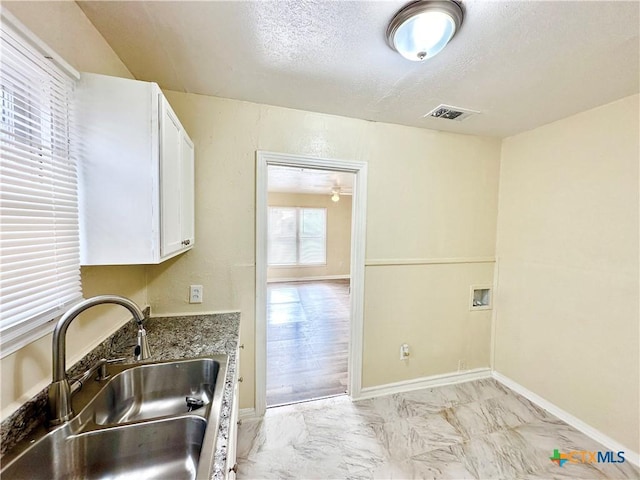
[{"x": 422, "y": 29}]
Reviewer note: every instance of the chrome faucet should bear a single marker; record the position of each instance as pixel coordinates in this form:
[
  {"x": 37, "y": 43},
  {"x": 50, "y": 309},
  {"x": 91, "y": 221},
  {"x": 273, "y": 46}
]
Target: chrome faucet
[{"x": 60, "y": 391}]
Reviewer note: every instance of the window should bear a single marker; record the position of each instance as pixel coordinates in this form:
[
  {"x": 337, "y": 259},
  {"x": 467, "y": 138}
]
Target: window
[
  {"x": 39, "y": 234},
  {"x": 297, "y": 236}
]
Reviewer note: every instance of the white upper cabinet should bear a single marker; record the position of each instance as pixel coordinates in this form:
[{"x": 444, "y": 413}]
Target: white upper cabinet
[{"x": 136, "y": 174}]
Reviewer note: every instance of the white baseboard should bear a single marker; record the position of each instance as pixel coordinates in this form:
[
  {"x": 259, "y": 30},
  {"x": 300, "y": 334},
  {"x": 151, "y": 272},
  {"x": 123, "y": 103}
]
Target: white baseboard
[
  {"x": 247, "y": 413},
  {"x": 566, "y": 417},
  {"x": 423, "y": 382},
  {"x": 309, "y": 279},
  {"x": 191, "y": 314}
]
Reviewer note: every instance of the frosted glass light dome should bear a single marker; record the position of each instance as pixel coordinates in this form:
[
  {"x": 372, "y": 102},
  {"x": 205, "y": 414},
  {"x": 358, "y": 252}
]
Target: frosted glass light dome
[{"x": 422, "y": 29}]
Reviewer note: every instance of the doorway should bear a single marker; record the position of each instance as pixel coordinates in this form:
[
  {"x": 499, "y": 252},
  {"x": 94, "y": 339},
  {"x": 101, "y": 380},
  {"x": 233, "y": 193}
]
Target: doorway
[
  {"x": 308, "y": 261},
  {"x": 278, "y": 303}
]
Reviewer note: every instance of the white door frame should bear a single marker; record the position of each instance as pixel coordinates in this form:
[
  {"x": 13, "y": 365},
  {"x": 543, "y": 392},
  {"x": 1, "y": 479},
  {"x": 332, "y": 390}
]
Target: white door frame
[{"x": 358, "y": 223}]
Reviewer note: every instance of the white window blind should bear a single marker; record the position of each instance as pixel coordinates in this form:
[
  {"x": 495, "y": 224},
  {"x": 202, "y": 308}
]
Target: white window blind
[
  {"x": 39, "y": 234},
  {"x": 297, "y": 236},
  {"x": 312, "y": 232},
  {"x": 282, "y": 236}
]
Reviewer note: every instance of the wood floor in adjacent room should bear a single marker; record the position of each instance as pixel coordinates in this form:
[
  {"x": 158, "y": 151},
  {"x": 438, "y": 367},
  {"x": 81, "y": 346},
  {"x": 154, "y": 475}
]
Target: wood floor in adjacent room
[{"x": 307, "y": 340}]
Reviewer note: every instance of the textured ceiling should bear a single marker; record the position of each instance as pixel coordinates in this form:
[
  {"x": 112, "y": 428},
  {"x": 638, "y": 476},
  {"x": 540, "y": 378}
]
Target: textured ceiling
[{"x": 520, "y": 63}]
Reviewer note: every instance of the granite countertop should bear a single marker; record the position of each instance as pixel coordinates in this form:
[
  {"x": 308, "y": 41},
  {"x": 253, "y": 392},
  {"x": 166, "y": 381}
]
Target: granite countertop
[
  {"x": 169, "y": 338},
  {"x": 197, "y": 336}
]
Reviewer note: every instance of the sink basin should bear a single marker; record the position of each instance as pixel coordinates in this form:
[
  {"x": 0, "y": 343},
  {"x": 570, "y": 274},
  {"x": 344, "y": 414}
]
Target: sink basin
[
  {"x": 167, "y": 448},
  {"x": 136, "y": 425},
  {"x": 156, "y": 390}
]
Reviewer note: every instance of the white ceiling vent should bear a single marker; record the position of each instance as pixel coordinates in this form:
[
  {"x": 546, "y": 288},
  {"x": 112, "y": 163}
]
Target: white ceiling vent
[{"x": 448, "y": 112}]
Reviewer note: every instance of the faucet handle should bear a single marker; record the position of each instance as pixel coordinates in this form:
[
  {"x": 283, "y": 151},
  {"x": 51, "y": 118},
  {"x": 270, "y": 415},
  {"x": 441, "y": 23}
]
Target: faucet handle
[{"x": 102, "y": 367}]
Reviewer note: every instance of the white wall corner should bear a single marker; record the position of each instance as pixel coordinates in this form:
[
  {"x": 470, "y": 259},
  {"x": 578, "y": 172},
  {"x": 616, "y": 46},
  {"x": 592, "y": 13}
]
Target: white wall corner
[{"x": 588, "y": 430}]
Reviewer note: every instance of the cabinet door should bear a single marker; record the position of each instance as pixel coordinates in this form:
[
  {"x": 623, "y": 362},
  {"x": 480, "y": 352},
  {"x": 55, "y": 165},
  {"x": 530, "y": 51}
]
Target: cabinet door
[
  {"x": 118, "y": 170},
  {"x": 170, "y": 180},
  {"x": 187, "y": 192}
]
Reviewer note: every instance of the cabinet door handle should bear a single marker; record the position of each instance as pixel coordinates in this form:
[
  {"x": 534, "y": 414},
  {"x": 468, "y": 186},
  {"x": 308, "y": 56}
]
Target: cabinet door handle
[
  {"x": 186, "y": 242},
  {"x": 234, "y": 469},
  {"x": 239, "y": 422},
  {"x": 241, "y": 345},
  {"x": 240, "y": 379}
]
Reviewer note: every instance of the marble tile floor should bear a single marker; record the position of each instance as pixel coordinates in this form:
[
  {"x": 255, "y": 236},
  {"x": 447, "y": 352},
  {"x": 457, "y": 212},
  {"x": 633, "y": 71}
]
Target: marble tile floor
[{"x": 474, "y": 430}]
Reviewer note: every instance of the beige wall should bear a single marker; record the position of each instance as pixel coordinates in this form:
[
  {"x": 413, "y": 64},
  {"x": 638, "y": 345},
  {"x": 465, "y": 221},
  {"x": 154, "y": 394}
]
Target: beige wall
[
  {"x": 338, "y": 235},
  {"x": 432, "y": 195},
  {"x": 567, "y": 319},
  {"x": 426, "y": 307},
  {"x": 567, "y": 325},
  {"x": 64, "y": 27}
]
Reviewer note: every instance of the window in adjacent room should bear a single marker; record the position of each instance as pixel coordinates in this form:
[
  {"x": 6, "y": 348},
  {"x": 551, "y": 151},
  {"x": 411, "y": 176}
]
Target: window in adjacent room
[
  {"x": 39, "y": 233},
  {"x": 297, "y": 236}
]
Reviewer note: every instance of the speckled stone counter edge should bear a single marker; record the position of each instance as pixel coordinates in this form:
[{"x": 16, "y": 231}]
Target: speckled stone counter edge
[{"x": 169, "y": 338}]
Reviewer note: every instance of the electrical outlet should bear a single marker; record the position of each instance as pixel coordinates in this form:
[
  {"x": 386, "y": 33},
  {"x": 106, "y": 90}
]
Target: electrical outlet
[
  {"x": 462, "y": 365},
  {"x": 195, "y": 294},
  {"x": 404, "y": 351}
]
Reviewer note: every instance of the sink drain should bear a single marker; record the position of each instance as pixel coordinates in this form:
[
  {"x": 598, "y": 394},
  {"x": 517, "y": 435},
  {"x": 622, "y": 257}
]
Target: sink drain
[{"x": 193, "y": 403}]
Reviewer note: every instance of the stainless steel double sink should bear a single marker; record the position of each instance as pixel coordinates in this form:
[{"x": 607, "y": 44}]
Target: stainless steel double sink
[{"x": 147, "y": 420}]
